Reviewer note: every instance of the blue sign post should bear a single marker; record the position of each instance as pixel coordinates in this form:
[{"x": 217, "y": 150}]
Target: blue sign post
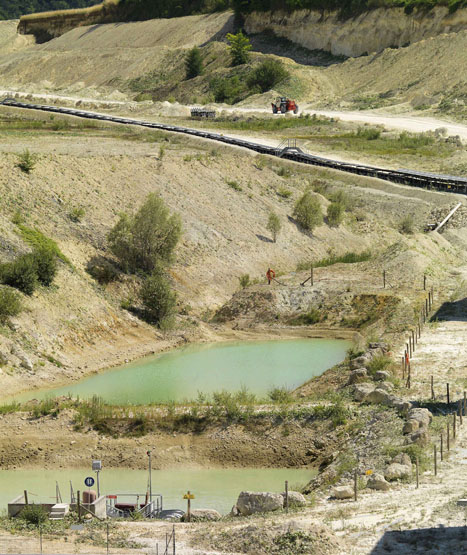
[{"x": 89, "y": 481}]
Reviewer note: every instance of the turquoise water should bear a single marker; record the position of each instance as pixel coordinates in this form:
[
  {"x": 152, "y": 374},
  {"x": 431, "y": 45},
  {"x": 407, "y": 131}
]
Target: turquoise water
[
  {"x": 213, "y": 489},
  {"x": 180, "y": 374}
]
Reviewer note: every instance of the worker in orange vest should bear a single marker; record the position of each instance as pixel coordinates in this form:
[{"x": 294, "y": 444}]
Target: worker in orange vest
[{"x": 270, "y": 274}]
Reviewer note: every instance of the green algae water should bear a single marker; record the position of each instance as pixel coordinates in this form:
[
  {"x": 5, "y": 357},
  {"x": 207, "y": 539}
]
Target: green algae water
[
  {"x": 181, "y": 374},
  {"x": 214, "y": 489}
]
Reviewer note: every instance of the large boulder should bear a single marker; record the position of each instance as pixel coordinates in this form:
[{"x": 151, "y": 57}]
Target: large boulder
[
  {"x": 423, "y": 416},
  {"x": 411, "y": 426},
  {"x": 382, "y": 375},
  {"x": 402, "y": 458},
  {"x": 378, "y": 396},
  {"x": 386, "y": 386},
  {"x": 396, "y": 471},
  {"x": 202, "y": 515},
  {"x": 343, "y": 492},
  {"x": 378, "y": 482},
  {"x": 296, "y": 499},
  {"x": 421, "y": 436},
  {"x": 361, "y": 361},
  {"x": 250, "y": 502},
  {"x": 362, "y": 390},
  {"x": 358, "y": 375}
]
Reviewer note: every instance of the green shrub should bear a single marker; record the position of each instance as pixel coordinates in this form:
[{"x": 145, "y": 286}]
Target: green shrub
[
  {"x": 378, "y": 363},
  {"x": 368, "y": 133},
  {"x": 406, "y": 225},
  {"x": 228, "y": 90},
  {"x": 267, "y": 75},
  {"x": 193, "y": 63},
  {"x": 239, "y": 47},
  {"x": 281, "y": 395},
  {"x": 274, "y": 225},
  {"x": 284, "y": 193},
  {"x": 307, "y": 211},
  {"x": 34, "y": 514},
  {"x": 21, "y": 274},
  {"x": 244, "y": 280},
  {"x": 27, "y": 161},
  {"x": 102, "y": 270},
  {"x": 234, "y": 185},
  {"x": 347, "y": 258},
  {"x": 10, "y": 304},
  {"x": 335, "y": 213},
  {"x": 77, "y": 214},
  {"x": 158, "y": 299},
  {"x": 147, "y": 238},
  {"x": 313, "y": 316},
  {"x": 46, "y": 265}
]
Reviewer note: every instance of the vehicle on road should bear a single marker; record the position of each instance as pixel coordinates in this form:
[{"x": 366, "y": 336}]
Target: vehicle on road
[{"x": 283, "y": 105}]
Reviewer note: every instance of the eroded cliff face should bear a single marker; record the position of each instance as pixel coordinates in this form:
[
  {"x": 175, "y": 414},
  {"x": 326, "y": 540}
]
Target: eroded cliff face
[{"x": 369, "y": 32}]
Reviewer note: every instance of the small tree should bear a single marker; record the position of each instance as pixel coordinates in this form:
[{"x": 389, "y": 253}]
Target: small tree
[
  {"x": 27, "y": 161},
  {"x": 240, "y": 47},
  {"x": 146, "y": 238},
  {"x": 335, "y": 213},
  {"x": 21, "y": 274},
  {"x": 158, "y": 298},
  {"x": 193, "y": 63},
  {"x": 274, "y": 225},
  {"x": 307, "y": 211}
]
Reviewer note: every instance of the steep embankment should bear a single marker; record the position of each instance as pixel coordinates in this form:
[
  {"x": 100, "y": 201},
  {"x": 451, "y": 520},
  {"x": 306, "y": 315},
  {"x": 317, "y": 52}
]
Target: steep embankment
[{"x": 371, "y": 31}]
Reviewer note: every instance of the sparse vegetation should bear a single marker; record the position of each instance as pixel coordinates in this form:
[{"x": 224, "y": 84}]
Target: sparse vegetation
[
  {"x": 335, "y": 213},
  {"x": 34, "y": 514},
  {"x": 307, "y": 211},
  {"x": 347, "y": 258},
  {"x": 406, "y": 225},
  {"x": 76, "y": 214},
  {"x": 234, "y": 185},
  {"x": 244, "y": 280}
]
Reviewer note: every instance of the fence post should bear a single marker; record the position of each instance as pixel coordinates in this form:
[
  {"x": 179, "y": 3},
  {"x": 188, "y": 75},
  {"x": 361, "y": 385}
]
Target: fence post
[
  {"x": 414, "y": 339},
  {"x": 173, "y": 539},
  {"x": 408, "y": 377},
  {"x": 447, "y": 393},
  {"x": 355, "y": 483},
  {"x": 432, "y": 389},
  {"x": 441, "y": 445},
  {"x": 454, "y": 415},
  {"x": 447, "y": 437},
  {"x": 286, "y": 496},
  {"x": 434, "y": 456},
  {"x": 465, "y": 402},
  {"x": 384, "y": 279},
  {"x": 424, "y": 282},
  {"x": 417, "y": 471},
  {"x": 26, "y": 497},
  {"x": 79, "y": 505}
]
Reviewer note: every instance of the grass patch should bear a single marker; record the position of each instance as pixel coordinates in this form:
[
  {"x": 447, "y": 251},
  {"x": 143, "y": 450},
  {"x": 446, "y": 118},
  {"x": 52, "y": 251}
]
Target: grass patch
[
  {"x": 39, "y": 241},
  {"x": 348, "y": 258}
]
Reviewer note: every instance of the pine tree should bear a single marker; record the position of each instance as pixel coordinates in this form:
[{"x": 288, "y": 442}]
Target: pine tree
[{"x": 194, "y": 63}]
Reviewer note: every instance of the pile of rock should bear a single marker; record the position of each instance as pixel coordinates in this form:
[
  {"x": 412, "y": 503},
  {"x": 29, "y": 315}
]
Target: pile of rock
[
  {"x": 399, "y": 468},
  {"x": 417, "y": 424},
  {"x": 250, "y": 502}
]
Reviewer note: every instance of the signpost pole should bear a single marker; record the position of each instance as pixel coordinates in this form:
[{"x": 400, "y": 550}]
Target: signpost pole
[{"x": 150, "y": 477}]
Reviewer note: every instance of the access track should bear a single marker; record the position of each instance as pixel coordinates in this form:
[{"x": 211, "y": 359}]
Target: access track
[{"x": 447, "y": 183}]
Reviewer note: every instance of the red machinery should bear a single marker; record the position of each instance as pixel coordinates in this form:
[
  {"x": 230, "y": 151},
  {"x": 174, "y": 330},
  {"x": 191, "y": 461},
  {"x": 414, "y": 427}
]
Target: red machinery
[{"x": 283, "y": 105}]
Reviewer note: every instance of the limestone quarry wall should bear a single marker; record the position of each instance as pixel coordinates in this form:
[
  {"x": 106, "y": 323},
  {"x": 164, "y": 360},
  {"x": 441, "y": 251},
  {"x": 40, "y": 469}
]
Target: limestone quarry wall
[
  {"x": 369, "y": 32},
  {"x": 48, "y": 25}
]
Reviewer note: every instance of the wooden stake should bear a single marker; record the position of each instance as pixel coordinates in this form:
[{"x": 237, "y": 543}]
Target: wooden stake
[
  {"x": 441, "y": 445},
  {"x": 414, "y": 337},
  {"x": 417, "y": 471},
  {"x": 79, "y": 506},
  {"x": 355, "y": 478},
  {"x": 426, "y": 307},
  {"x": 408, "y": 377},
  {"x": 26, "y": 497},
  {"x": 454, "y": 419},
  {"x": 448, "y": 437},
  {"x": 447, "y": 394},
  {"x": 384, "y": 279},
  {"x": 465, "y": 402},
  {"x": 434, "y": 457},
  {"x": 432, "y": 389},
  {"x": 424, "y": 282}
]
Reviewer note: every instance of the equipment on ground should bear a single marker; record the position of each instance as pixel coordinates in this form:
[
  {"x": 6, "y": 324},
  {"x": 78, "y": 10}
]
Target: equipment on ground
[
  {"x": 283, "y": 105},
  {"x": 199, "y": 113}
]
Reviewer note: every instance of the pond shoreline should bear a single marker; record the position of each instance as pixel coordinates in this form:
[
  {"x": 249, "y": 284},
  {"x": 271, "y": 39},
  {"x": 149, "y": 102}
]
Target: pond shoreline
[{"x": 130, "y": 354}]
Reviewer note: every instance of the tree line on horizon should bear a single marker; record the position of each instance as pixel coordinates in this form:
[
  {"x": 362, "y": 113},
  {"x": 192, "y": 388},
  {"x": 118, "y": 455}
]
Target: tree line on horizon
[
  {"x": 14, "y": 9},
  {"x": 139, "y": 10}
]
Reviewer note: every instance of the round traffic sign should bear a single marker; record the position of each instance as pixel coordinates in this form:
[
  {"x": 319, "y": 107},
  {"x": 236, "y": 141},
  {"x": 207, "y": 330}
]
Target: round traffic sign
[{"x": 89, "y": 481}]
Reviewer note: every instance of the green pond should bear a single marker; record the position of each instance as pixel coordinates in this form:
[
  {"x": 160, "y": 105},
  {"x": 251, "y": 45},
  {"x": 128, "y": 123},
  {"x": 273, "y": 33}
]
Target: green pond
[
  {"x": 180, "y": 374},
  {"x": 213, "y": 489}
]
